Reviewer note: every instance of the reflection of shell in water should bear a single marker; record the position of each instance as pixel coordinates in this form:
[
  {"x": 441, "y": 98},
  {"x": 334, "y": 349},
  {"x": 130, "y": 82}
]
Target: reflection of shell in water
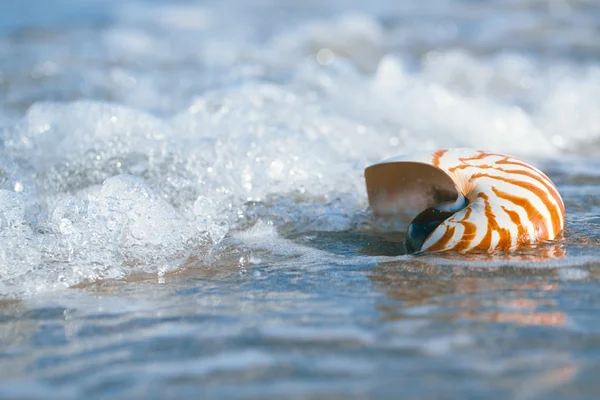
[{"x": 466, "y": 200}]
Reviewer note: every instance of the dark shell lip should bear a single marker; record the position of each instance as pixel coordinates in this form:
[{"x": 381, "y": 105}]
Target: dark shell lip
[
  {"x": 401, "y": 190},
  {"x": 426, "y": 222}
]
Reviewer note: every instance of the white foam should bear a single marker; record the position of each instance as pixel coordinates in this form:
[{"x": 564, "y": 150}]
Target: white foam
[{"x": 263, "y": 237}]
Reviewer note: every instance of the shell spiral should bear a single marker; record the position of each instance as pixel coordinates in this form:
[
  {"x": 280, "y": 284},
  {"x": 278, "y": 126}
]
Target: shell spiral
[{"x": 508, "y": 203}]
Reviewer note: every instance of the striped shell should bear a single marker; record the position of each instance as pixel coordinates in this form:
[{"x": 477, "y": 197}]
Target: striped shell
[{"x": 508, "y": 203}]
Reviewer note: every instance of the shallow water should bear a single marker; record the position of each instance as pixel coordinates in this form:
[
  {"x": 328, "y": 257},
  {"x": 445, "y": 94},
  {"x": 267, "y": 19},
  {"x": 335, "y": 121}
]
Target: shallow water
[{"x": 183, "y": 212}]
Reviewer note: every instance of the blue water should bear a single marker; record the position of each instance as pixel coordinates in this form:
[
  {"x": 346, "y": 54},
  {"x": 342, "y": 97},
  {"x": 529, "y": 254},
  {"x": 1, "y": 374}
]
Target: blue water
[{"x": 183, "y": 211}]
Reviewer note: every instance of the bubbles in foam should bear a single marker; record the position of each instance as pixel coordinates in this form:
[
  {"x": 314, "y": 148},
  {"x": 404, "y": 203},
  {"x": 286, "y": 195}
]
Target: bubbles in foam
[
  {"x": 142, "y": 222},
  {"x": 20, "y": 251},
  {"x": 230, "y": 252}
]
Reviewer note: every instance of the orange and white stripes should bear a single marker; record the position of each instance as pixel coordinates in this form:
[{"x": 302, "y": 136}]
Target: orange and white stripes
[{"x": 511, "y": 203}]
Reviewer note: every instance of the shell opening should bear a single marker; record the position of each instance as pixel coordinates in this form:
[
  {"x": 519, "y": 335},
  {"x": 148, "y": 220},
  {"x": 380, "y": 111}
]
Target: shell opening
[
  {"x": 400, "y": 190},
  {"x": 429, "y": 219}
]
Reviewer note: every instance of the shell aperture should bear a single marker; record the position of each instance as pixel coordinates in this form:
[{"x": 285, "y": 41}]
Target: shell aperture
[{"x": 427, "y": 221}]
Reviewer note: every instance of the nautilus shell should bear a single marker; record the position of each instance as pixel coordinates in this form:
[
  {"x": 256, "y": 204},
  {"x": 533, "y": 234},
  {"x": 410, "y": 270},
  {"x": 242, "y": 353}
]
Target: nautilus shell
[{"x": 466, "y": 201}]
